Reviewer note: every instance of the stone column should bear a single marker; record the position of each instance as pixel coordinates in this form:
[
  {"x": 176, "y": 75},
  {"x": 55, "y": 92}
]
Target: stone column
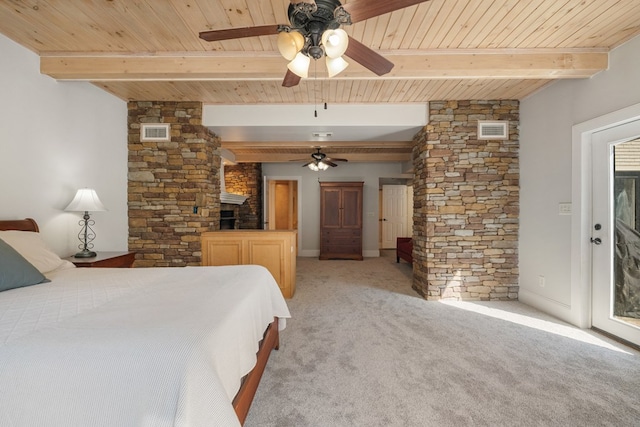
[
  {"x": 466, "y": 204},
  {"x": 167, "y": 180}
]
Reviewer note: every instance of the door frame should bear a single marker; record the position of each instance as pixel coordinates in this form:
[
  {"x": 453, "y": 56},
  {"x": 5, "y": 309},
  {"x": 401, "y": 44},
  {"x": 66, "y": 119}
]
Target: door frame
[
  {"x": 581, "y": 218},
  {"x": 604, "y": 285},
  {"x": 383, "y": 219},
  {"x": 265, "y": 195}
]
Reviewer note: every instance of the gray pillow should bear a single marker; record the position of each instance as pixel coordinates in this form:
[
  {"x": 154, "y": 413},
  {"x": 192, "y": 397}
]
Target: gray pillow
[{"x": 15, "y": 271}]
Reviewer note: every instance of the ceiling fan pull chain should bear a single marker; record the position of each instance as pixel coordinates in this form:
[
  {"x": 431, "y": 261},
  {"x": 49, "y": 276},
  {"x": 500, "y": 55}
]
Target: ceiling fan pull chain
[
  {"x": 315, "y": 87},
  {"x": 324, "y": 94}
]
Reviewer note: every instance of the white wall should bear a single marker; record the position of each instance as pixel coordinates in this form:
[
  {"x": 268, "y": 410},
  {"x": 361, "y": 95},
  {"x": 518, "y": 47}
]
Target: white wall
[
  {"x": 309, "y": 193},
  {"x": 546, "y": 120},
  {"x": 56, "y": 138}
]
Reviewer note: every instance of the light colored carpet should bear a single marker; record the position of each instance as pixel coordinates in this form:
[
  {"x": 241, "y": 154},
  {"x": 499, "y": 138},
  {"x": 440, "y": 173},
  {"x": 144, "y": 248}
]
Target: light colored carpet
[{"x": 362, "y": 349}]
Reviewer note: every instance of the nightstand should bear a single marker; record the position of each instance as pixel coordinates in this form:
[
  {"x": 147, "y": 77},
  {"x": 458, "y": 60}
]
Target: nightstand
[{"x": 106, "y": 259}]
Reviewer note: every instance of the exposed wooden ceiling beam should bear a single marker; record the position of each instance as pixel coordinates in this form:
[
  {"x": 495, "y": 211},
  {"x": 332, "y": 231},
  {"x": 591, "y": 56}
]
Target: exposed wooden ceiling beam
[
  {"x": 286, "y": 151},
  {"x": 450, "y": 64},
  {"x": 326, "y": 145},
  {"x": 241, "y": 157}
]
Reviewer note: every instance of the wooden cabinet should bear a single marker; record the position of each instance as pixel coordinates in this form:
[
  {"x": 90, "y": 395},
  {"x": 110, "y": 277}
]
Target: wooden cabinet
[
  {"x": 341, "y": 220},
  {"x": 274, "y": 249}
]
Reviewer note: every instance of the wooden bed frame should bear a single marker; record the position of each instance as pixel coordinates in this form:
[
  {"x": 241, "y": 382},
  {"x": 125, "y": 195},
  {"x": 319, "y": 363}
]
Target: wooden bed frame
[{"x": 271, "y": 340}]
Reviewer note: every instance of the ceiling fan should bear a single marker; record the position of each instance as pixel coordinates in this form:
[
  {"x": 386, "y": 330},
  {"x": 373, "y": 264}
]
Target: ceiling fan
[
  {"x": 320, "y": 161},
  {"x": 314, "y": 32}
]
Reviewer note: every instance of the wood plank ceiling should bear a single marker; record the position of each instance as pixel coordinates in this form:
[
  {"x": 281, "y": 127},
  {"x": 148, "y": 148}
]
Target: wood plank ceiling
[{"x": 442, "y": 49}]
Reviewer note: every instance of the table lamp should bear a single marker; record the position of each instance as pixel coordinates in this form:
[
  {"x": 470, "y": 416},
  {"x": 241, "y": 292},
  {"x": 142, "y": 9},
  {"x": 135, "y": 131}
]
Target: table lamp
[{"x": 86, "y": 200}]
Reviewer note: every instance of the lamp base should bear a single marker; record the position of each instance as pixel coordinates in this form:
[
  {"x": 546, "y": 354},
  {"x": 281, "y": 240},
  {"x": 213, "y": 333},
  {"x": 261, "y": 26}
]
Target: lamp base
[{"x": 85, "y": 254}]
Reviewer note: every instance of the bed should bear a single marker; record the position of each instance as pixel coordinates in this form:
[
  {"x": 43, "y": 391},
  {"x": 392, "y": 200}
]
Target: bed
[{"x": 130, "y": 347}]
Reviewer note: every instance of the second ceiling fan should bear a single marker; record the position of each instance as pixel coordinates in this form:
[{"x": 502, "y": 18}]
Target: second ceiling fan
[
  {"x": 314, "y": 32},
  {"x": 319, "y": 161}
]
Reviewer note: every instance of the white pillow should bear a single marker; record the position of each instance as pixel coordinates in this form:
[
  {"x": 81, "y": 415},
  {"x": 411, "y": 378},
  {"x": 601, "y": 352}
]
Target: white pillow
[{"x": 30, "y": 245}]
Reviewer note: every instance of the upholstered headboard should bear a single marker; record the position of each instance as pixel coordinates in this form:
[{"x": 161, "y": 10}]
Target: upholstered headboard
[{"x": 27, "y": 224}]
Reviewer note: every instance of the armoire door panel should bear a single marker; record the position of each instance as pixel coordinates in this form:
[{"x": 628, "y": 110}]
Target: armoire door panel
[
  {"x": 330, "y": 215},
  {"x": 352, "y": 208}
]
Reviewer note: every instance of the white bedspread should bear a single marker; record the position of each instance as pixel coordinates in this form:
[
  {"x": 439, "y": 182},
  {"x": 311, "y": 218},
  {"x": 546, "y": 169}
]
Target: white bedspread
[{"x": 133, "y": 347}]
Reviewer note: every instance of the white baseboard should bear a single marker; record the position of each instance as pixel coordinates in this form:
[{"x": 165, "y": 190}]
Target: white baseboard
[
  {"x": 554, "y": 308},
  {"x": 309, "y": 253},
  {"x": 314, "y": 253}
]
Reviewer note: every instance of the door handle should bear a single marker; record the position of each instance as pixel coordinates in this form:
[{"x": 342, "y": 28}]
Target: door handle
[{"x": 596, "y": 241}]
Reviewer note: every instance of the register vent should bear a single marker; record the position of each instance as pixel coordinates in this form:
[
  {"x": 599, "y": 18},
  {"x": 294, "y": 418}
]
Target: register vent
[
  {"x": 493, "y": 129},
  {"x": 155, "y": 132}
]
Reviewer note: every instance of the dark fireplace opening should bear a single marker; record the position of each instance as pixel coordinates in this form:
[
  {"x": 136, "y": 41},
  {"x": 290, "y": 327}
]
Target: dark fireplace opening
[{"x": 227, "y": 220}]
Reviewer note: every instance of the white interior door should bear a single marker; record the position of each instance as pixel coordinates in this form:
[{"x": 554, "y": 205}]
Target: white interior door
[
  {"x": 394, "y": 214},
  {"x": 615, "y": 279}
]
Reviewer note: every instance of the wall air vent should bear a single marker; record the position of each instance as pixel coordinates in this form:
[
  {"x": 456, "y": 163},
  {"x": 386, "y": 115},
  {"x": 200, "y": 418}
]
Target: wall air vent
[
  {"x": 155, "y": 132},
  {"x": 493, "y": 129},
  {"x": 322, "y": 134}
]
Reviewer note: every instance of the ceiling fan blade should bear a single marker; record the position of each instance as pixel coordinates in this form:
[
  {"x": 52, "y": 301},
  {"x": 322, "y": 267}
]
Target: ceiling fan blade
[
  {"x": 365, "y": 9},
  {"x": 330, "y": 163},
  {"x": 291, "y": 79},
  {"x": 333, "y": 159},
  {"x": 368, "y": 57},
  {"x": 238, "y": 33},
  {"x": 307, "y": 164}
]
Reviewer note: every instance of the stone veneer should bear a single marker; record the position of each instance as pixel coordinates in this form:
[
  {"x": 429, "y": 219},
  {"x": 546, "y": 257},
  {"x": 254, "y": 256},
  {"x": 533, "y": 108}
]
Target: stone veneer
[
  {"x": 246, "y": 179},
  {"x": 166, "y": 179},
  {"x": 466, "y": 204}
]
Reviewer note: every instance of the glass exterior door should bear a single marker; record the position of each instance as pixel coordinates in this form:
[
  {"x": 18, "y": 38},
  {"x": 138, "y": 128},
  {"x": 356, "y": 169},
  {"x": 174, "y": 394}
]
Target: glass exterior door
[{"x": 616, "y": 231}]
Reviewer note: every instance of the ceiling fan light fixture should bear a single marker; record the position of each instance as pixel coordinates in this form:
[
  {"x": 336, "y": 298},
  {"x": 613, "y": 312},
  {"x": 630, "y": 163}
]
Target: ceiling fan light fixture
[
  {"x": 336, "y": 65},
  {"x": 300, "y": 65},
  {"x": 335, "y": 42},
  {"x": 318, "y": 166},
  {"x": 290, "y": 43}
]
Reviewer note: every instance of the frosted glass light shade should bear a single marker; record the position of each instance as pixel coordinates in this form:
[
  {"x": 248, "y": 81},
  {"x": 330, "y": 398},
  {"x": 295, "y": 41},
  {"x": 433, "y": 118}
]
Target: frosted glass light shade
[
  {"x": 336, "y": 65},
  {"x": 290, "y": 43},
  {"x": 85, "y": 200},
  {"x": 335, "y": 42},
  {"x": 318, "y": 166},
  {"x": 300, "y": 65}
]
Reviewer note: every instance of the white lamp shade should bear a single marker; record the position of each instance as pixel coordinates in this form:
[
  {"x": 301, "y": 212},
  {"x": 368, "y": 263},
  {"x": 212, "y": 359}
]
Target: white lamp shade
[
  {"x": 323, "y": 166},
  {"x": 300, "y": 65},
  {"x": 335, "y": 42},
  {"x": 336, "y": 65},
  {"x": 86, "y": 200},
  {"x": 290, "y": 43}
]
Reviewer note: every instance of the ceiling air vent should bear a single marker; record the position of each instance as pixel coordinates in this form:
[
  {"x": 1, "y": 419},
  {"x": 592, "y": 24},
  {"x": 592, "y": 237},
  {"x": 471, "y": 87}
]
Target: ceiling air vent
[
  {"x": 493, "y": 129},
  {"x": 155, "y": 132}
]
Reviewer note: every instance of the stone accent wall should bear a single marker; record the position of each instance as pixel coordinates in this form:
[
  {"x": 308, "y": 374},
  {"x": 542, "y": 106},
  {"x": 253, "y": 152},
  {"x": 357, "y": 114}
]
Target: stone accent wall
[
  {"x": 166, "y": 180},
  {"x": 246, "y": 179},
  {"x": 466, "y": 204}
]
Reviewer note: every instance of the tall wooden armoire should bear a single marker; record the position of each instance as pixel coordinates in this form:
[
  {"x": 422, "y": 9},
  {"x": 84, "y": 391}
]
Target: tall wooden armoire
[{"x": 341, "y": 220}]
